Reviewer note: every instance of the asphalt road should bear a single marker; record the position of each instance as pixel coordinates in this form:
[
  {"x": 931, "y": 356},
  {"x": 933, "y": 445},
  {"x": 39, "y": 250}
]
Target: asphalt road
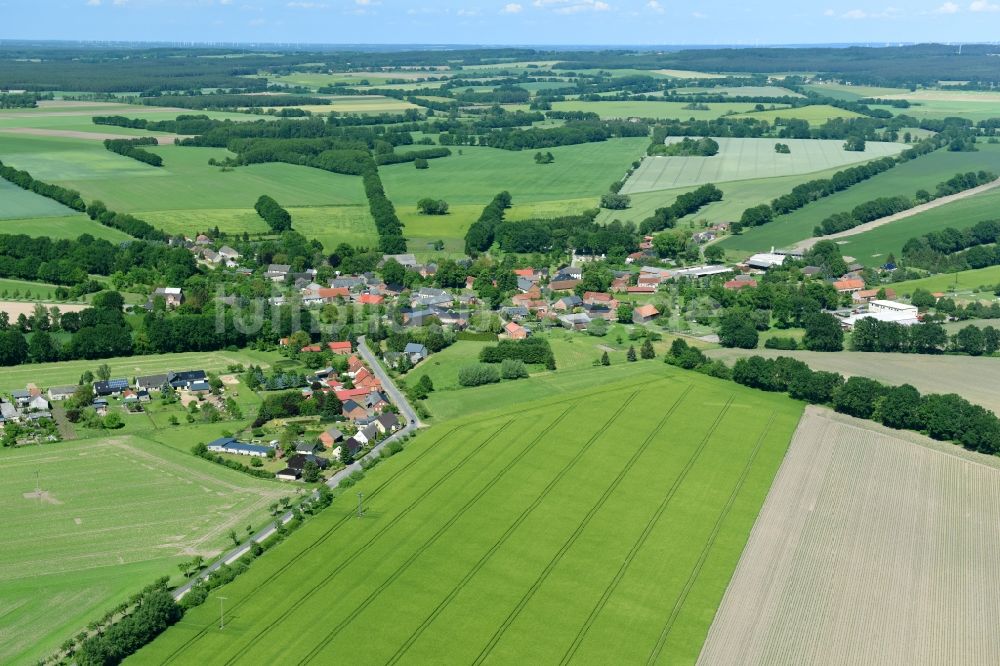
[{"x": 411, "y": 422}]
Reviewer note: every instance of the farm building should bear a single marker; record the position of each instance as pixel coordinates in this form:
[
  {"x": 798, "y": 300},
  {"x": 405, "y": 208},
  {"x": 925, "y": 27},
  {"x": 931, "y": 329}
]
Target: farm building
[
  {"x": 515, "y": 331},
  {"x": 890, "y": 311},
  {"x": 236, "y": 447},
  {"x": 342, "y": 348},
  {"x": 151, "y": 382},
  {"x": 850, "y": 286},
  {"x": 110, "y": 387},
  {"x": 330, "y": 436},
  {"x": 644, "y": 314},
  {"x": 58, "y": 393},
  {"x": 184, "y": 380},
  {"x": 766, "y": 260}
]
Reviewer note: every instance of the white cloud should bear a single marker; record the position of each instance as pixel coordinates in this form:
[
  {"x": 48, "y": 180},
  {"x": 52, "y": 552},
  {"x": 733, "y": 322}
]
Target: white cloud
[
  {"x": 307, "y": 5},
  {"x": 573, "y": 6},
  {"x": 655, "y": 6},
  {"x": 699, "y": 15},
  {"x": 511, "y": 8},
  {"x": 858, "y": 14},
  {"x": 467, "y": 12},
  {"x": 225, "y": 2},
  {"x": 93, "y": 3},
  {"x": 947, "y": 8},
  {"x": 829, "y": 12},
  {"x": 983, "y": 6}
]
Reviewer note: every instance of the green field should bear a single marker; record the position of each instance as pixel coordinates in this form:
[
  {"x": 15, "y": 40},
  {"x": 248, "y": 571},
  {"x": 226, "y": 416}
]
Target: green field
[
  {"x": 477, "y": 174},
  {"x": 905, "y": 179},
  {"x": 68, "y": 372},
  {"x": 871, "y": 247},
  {"x": 740, "y": 91},
  {"x": 16, "y": 203},
  {"x": 963, "y": 281},
  {"x": 816, "y": 114},
  {"x": 737, "y": 196},
  {"x": 116, "y": 514},
  {"x": 852, "y": 93},
  {"x": 187, "y": 195},
  {"x": 69, "y": 226},
  {"x": 745, "y": 159},
  {"x": 644, "y": 109},
  {"x": 531, "y": 536}
]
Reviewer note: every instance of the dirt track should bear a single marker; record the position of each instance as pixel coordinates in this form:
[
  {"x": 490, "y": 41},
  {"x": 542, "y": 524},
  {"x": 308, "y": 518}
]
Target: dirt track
[
  {"x": 162, "y": 139},
  {"x": 875, "y": 224}
]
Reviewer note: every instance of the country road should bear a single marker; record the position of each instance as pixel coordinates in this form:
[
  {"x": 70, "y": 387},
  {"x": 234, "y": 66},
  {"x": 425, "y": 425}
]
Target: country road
[
  {"x": 411, "y": 423},
  {"x": 805, "y": 245}
]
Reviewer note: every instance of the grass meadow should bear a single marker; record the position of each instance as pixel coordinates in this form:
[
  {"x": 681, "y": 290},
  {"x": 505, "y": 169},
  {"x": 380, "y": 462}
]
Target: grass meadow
[
  {"x": 477, "y": 174},
  {"x": 963, "y": 281},
  {"x": 745, "y": 159},
  {"x": 538, "y": 534},
  {"x": 115, "y": 514},
  {"x": 905, "y": 179}
]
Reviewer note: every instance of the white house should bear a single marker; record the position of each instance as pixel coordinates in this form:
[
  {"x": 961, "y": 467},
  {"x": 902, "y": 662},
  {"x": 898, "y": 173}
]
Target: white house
[{"x": 889, "y": 311}]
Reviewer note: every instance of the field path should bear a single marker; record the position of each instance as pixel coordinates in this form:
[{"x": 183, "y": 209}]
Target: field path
[
  {"x": 162, "y": 139},
  {"x": 806, "y": 244}
]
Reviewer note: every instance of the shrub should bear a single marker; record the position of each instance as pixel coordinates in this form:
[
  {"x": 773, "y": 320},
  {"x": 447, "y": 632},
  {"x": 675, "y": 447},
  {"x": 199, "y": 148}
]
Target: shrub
[
  {"x": 478, "y": 374},
  {"x": 513, "y": 369}
]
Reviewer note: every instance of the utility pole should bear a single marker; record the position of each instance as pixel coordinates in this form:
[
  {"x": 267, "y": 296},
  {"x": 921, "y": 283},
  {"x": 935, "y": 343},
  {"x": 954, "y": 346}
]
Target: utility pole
[
  {"x": 38, "y": 488},
  {"x": 361, "y": 510},
  {"x": 222, "y": 613}
]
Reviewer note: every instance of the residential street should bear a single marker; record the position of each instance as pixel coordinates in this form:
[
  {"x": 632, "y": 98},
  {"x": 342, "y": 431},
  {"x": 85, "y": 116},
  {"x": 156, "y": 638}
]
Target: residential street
[{"x": 411, "y": 422}]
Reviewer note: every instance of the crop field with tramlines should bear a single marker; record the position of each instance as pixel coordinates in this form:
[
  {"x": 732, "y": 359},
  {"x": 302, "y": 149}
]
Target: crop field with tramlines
[
  {"x": 744, "y": 159},
  {"x": 102, "y": 518},
  {"x": 874, "y": 547},
  {"x": 597, "y": 527}
]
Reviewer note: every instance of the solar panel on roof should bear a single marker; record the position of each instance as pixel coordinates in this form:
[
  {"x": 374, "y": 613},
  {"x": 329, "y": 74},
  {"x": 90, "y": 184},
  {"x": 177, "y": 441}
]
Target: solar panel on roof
[{"x": 117, "y": 384}]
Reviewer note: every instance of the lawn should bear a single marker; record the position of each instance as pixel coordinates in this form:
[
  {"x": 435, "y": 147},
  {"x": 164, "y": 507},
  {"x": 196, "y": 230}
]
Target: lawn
[
  {"x": 474, "y": 175},
  {"x": 115, "y": 514},
  {"x": 871, "y": 247},
  {"x": 905, "y": 179},
  {"x": 744, "y": 159},
  {"x": 69, "y": 372},
  {"x": 598, "y": 526}
]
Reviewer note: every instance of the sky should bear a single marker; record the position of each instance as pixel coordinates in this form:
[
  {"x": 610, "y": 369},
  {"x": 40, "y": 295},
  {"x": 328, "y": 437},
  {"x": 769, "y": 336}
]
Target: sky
[{"x": 517, "y": 22}]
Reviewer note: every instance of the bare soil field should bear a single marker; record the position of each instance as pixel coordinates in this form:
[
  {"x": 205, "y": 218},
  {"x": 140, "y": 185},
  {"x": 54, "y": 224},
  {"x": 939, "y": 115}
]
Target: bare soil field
[
  {"x": 976, "y": 379},
  {"x": 27, "y": 308},
  {"x": 874, "y": 546},
  {"x": 161, "y": 139}
]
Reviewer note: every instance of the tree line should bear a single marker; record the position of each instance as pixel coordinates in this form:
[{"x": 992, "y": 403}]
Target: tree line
[
  {"x": 24, "y": 180},
  {"x": 955, "y": 249},
  {"x": 684, "y": 204},
  {"x": 271, "y": 212},
  {"x": 130, "y": 148},
  {"x": 947, "y": 417},
  {"x": 482, "y": 232},
  {"x": 885, "y": 206}
]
